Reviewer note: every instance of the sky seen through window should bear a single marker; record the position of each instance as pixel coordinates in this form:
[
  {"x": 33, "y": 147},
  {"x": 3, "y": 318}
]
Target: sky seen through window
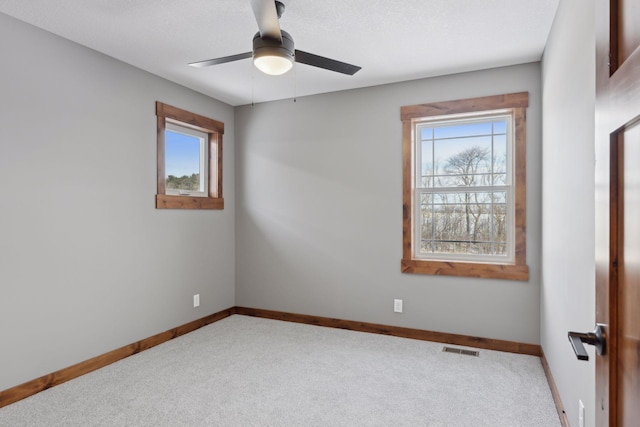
[{"x": 182, "y": 154}]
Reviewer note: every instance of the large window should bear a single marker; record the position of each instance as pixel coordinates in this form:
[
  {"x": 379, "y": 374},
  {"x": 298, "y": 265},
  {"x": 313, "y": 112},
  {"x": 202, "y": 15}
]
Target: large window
[
  {"x": 189, "y": 160},
  {"x": 464, "y": 187}
]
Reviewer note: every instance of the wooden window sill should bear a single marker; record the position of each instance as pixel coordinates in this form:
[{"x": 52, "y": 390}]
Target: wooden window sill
[
  {"x": 188, "y": 202},
  {"x": 466, "y": 269}
]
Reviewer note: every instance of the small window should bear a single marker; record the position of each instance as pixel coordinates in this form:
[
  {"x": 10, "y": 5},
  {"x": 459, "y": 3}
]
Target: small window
[
  {"x": 186, "y": 161},
  {"x": 189, "y": 160},
  {"x": 464, "y": 187}
]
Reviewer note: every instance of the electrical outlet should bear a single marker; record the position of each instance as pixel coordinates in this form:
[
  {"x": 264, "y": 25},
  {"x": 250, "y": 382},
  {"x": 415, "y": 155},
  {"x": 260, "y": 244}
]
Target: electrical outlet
[
  {"x": 580, "y": 413},
  {"x": 196, "y": 300},
  {"x": 397, "y": 306}
]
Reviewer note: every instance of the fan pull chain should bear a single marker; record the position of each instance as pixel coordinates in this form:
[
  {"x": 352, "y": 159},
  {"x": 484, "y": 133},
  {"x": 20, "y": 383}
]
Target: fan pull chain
[
  {"x": 295, "y": 82},
  {"x": 253, "y": 97}
]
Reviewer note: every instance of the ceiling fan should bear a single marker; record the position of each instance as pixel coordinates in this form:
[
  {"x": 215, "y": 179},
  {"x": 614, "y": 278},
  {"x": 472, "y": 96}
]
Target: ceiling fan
[{"x": 273, "y": 49}]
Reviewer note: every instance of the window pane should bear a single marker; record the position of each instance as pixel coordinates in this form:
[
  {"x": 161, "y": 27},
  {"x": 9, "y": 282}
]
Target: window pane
[
  {"x": 426, "y": 133},
  {"x": 500, "y": 126},
  {"x": 463, "y": 130},
  {"x": 182, "y": 161},
  {"x": 500, "y": 153},
  {"x": 427, "y": 164},
  {"x": 463, "y": 223},
  {"x": 465, "y": 154}
]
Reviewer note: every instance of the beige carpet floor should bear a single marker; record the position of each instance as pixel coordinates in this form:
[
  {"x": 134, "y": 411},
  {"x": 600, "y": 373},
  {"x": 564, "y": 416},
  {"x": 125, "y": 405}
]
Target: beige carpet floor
[{"x": 244, "y": 371}]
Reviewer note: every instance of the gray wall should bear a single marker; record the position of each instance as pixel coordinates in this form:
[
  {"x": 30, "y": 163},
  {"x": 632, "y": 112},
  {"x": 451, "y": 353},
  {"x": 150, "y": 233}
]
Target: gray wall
[
  {"x": 568, "y": 276},
  {"x": 86, "y": 263},
  {"x": 319, "y": 211}
]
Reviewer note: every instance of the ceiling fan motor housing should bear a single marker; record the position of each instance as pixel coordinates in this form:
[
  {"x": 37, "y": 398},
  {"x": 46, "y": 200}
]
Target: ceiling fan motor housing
[{"x": 267, "y": 46}]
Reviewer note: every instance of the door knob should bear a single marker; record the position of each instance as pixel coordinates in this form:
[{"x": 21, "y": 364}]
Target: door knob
[{"x": 595, "y": 338}]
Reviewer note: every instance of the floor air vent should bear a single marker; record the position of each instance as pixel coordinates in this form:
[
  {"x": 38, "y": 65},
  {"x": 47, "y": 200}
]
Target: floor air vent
[{"x": 461, "y": 351}]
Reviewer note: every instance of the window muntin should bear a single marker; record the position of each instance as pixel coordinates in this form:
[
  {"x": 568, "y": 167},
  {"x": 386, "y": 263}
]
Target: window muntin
[
  {"x": 464, "y": 205},
  {"x": 186, "y": 161}
]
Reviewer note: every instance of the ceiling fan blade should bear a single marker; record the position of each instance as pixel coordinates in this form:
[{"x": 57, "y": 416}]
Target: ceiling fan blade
[
  {"x": 222, "y": 60},
  {"x": 267, "y": 18},
  {"x": 326, "y": 63}
]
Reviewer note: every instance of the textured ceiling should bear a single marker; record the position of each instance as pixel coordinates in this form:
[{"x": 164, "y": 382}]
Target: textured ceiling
[{"x": 392, "y": 40}]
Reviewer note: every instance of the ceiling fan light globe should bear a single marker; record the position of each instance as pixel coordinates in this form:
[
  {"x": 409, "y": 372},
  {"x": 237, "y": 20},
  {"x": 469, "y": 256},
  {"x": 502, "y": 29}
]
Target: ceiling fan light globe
[
  {"x": 273, "y": 56},
  {"x": 273, "y": 65}
]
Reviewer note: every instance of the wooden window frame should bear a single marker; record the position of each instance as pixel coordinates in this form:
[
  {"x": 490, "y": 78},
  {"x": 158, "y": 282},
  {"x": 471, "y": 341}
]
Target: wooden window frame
[
  {"x": 214, "y": 129},
  {"x": 517, "y": 103}
]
